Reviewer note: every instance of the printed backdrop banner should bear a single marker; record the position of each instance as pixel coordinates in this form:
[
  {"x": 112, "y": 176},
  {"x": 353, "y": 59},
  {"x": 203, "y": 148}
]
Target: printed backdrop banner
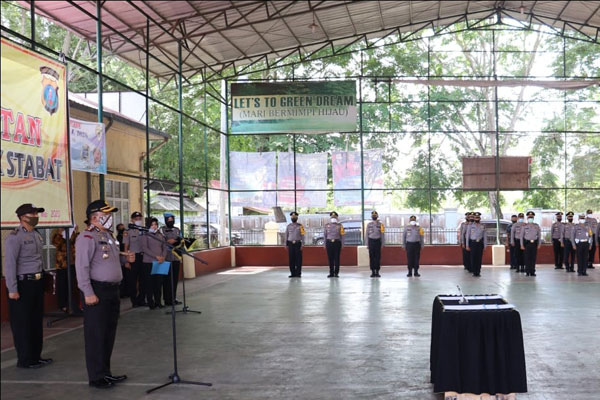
[
  {"x": 88, "y": 146},
  {"x": 252, "y": 171},
  {"x": 311, "y": 173},
  {"x": 35, "y": 165},
  {"x": 293, "y": 107},
  {"x": 346, "y": 175}
]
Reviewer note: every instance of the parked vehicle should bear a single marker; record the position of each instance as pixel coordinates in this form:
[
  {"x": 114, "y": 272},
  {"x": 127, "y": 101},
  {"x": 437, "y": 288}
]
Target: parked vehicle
[
  {"x": 199, "y": 231},
  {"x": 353, "y": 236},
  {"x": 490, "y": 230}
]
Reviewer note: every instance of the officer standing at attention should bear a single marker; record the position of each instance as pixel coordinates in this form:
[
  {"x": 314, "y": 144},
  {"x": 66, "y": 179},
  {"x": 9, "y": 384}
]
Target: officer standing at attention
[
  {"x": 334, "y": 241},
  {"x": 461, "y": 240},
  {"x": 593, "y": 225},
  {"x": 565, "y": 242},
  {"x": 25, "y": 284},
  {"x": 557, "y": 231},
  {"x": 515, "y": 240},
  {"x": 476, "y": 243},
  {"x": 511, "y": 248},
  {"x": 413, "y": 239},
  {"x": 98, "y": 277},
  {"x": 375, "y": 240},
  {"x": 172, "y": 235},
  {"x": 294, "y": 238},
  {"x": 581, "y": 239},
  {"x": 137, "y": 279},
  {"x": 531, "y": 241}
]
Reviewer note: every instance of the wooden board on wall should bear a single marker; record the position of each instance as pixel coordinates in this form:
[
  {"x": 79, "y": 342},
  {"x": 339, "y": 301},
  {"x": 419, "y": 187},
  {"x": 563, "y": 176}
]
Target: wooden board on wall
[{"x": 479, "y": 173}]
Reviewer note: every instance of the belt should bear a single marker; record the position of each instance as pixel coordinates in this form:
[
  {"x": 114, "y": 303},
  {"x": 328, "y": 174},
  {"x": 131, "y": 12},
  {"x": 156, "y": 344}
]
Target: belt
[
  {"x": 476, "y": 241},
  {"x": 294, "y": 241},
  {"x": 107, "y": 284},
  {"x": 334, "y": 240},
  {"x": 532, "y": 241},
  {"x": 581, "y": 240},
  {"x": 31, "y": 277}
]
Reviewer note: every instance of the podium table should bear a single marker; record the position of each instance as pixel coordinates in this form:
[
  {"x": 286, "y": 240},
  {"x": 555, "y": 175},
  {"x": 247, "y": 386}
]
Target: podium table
[{"x": 476, "y": 347}]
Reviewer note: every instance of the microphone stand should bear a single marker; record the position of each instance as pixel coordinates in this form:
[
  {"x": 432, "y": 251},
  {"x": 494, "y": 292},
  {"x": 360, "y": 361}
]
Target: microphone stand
[
  {"x": 463, "y": 299},
  {"x": 174, "y": 378}
]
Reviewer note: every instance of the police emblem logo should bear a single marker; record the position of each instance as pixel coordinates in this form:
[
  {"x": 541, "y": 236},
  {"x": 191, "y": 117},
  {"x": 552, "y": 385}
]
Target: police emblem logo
[{"x": 49, "y": 89}]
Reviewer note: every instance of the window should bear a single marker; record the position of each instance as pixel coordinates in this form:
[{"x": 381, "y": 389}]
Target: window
[{"x": 117, "y": 195}]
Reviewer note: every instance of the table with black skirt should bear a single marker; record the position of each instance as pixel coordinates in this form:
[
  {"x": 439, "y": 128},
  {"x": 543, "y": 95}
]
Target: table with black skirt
[{"x": 476, "y": 351}]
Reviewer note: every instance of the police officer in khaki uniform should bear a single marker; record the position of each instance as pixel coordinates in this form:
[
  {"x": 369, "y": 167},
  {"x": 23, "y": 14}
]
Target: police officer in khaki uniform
[
  {"x": 531, "y": 241},
  {"x": 294, "y": 239},
  {"x": 334, "y": 241},
  {"x": 413, "y": 240},
  {"x": 462, "y": 240},
  {"x": 98, "y": 277},
  {"x": 137, "y": 277},
  {"x": 557, "y": 231},
  {"x": 375, "y": 240},
  {"x": 172, "y": 235},
  {"x": 515, "y": 240},
  {"x": 25, "y": 285},
  {"x": 155, "y": 249},
  {"x": 477, "y": 241},
  {"x": 581, "y": 239},
  {"x": 593, "y": 225},
  {"x": 565, "y": 242}
]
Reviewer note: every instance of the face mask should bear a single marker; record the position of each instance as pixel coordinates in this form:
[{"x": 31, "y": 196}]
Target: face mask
[
  {"x": 170, "y": 224},
  {"x": 33, "y": 221},
  {"x": 582, "y": 221},
  {"x": 570, "y": 219},
  {"x": 413, "y": 222},
  {"x": 334, "y": 220},
  {"x": 106, "y": 221},
  {"x": 520, "y": 219},
  {"x": 374, "y": 217},
  {"x": 589, "y": 215},
  {"x": 477, "y": 221},
  {"x": 153, "y": 230},
  {"x": 121, "y": 230},
  {"x": 294, "y": 219},
  {"x": 138, "y": 222},
  {"x": 558, "y": 219},
  {"x": 514, "y": 221},
  {"x": 530, "y": 220}
]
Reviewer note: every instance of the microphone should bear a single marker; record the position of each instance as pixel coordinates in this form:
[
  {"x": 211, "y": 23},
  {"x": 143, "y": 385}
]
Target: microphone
[
  {"x": 139, "y": 228},
  {"x": 464, "y": 299}
]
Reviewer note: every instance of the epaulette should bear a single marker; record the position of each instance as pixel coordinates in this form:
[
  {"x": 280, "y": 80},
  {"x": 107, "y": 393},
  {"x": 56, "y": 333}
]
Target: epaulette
[
  {"x": 15, "y": 231},
  {"x": 88, "y": 236}
]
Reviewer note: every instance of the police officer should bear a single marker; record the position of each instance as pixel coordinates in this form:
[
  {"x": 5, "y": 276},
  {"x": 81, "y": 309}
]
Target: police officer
[
  {"x": 98, "y": 277},
  {"x": 593, "y": 225},
  {"x": 413, "y": 239},
  {"x": 172, "y": 235},
  {"x": 155, "y": 249},
  {"x": 531, "y": 241},
  {"x": 511, "y": 248},
  {"x": 515, "y": 235},
  {"x": 294, "y": 238},
  {"x": 581, "y": 239},
  {"x": 334, "y": 241},
  {"x": 557, "y": 231},
  {"x": 462, "y": 240},
  {"x": 476, "y": 242},
  {"x": 25, "y": 285},
  {"x": 137, "y": 277},
  {"x": 565, "y": 242},
  {"x": 375, "y": 240}
]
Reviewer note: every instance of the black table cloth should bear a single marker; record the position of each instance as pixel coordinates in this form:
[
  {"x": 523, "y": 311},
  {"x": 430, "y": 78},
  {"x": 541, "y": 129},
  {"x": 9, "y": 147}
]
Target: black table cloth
[{"x": 476, "y": 351}]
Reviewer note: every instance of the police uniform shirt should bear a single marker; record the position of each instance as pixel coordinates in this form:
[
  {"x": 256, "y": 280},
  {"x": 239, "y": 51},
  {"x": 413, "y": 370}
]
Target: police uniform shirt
[
  {"x": 294, "y": 233},
  {"x": 152, "y": 247},
  {"x": 375, "y": 230},
  {"x": 557, "y": 230},
  {"x": 476, "y": 232},
  {"x": 22, "y": 255},
  {"x": 530, "y": 232},
  {"x": 463, "y": 231},
  {"x": 96, "y": 258},
  {"x": 413, "y": 234},
  {"x": 566, "y": 233},
  {"x": 592, "y": 223},
  {"x": 170, "y": 233},
  {"x": 515, "y": 232},
  {"x": 334, "y": 231},
  {"x": 581, "y": 233},
  {"x": 133, "y": 239}
]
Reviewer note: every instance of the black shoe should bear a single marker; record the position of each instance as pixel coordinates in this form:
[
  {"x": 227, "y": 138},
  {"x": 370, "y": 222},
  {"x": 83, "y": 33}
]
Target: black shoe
[
  {"x": 177, "y": 302},
  {"x": 34, "y": 365},
  {"x": 331, "y": 276},
  {"x": 532, "y": 274},
  {"x": 337, "y": 275},
  {"x": 417, "y": 274},
  {"x": 373, "y": 275},
  {"x": 477, "y": 275},
  {"x": 115, "y": 378},
  {"x": 159, "y": 305},
  {"x": 46, "y": 361},
  {"x": 591, "y": 267},
  {"x": 102, "y": 384},
  {"x": 377, "y": 275},
  {"x": 152, "y": 306},
  {"x": 584, "y": 274},
  {"x": 558, "y": 267},
  {"x": 292, "y": 276},
  {"x": 409, "y": 274}
]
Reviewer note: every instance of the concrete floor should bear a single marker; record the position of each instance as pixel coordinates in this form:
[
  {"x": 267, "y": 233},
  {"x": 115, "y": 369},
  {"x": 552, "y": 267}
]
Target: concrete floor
[{"x": 264, "y": 336}]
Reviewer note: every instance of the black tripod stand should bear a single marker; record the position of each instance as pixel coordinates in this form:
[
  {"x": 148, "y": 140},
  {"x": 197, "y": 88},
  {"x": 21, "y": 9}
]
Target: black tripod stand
[
  {"x": 174, "y": 377},
  {"x": 185, "y": 309}
]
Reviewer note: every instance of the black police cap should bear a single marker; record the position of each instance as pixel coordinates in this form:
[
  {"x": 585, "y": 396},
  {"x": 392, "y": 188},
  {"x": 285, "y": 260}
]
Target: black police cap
[
  {"x": 530, "y": 214},
  {"x": 28, "y": 208},
  {"x": 99, "y": 205},
  {"x": 521, "y": 215},
  {"x": 514, "y": 216},
  {"x": 559, "y": 213},
  {"x": 333, "y": 214},
  {"x": 570, "y": 214},
  {"x": 293, "y": 213},
  {"x": 477, "y": 214}
]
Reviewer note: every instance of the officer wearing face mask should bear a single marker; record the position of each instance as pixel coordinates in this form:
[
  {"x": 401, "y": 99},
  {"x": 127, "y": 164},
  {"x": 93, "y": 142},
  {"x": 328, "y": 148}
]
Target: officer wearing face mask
[
  {"x": 413, "y": 239},
  {"x": 592, "y": 223},
  {"x": 511, "y": 248},
  {"x": 531, "y": 241},
  {"x": 25, "y": 283},
  {"x": 155, "y": 249},
  {"x": 557, "y": 231},
  {"x": 173, "y": 236},
  {"x": 132, "y": 239},
  {"x": 98, "y": 277},
  {"x": 334, "y": 241},
  {"x": 294, "y": 238},
  {"x": 565, "y": 242},
  {"x": 515, "y": 240},
  {"x": 462, "y": 240},
  {"x": 477, "y": 241},
  {"x": 375, "y": 240},
  {"x": 581, "y": 240}
]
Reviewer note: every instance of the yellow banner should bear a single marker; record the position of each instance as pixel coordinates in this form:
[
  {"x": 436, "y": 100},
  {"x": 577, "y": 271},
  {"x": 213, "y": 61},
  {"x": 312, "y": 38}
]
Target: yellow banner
[{"x": 35, "y": 144}]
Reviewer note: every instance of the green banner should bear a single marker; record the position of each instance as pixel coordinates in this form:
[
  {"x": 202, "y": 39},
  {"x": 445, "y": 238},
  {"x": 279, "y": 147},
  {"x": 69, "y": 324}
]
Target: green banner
[{"x": 293, "y": 107}]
